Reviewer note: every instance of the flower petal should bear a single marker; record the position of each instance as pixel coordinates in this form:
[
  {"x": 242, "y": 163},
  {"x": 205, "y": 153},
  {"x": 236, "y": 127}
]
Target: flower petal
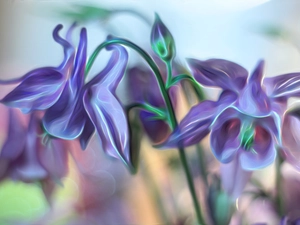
[
  {"x": 39, "y": 90},
  {"x": 28, "y": 167},
  {"x": 66, "y": 118},
  {"x": 112, "y": 74},
  {"x": 220, "y": 73},
  {"x": 253, "y": 100},
  {"x": 196, "y": 124},
  {"x": 145, "y": 87},
  {"x": 110, "y": 121},
  {"x": 286, "y": 85},
  {"x": 15, "y": 141},
  {"x": 87, "y": 133},
  {"x": 77, "y": 78},
  {"x": 263, "y": 152},
  {"x": 225, "y": 133},
  {"x": 157, "y": 130},
  {"x": 291, "y": 138},
  {"x": 54, "y": 158},
  {"x": 234, "y": 178}
]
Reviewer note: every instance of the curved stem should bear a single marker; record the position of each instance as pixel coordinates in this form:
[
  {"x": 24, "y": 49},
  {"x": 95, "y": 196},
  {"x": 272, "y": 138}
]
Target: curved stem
[
  {"x": 278, "y": 197},
  {"x": 183, "y": 159},
  {"x": 193, "y": 82},
  {"x": 151, "y": 63},
  {"x": 171, "y": 114},
  {"x": 160, "y": 114},
  {"x": 169, "y": 81}
]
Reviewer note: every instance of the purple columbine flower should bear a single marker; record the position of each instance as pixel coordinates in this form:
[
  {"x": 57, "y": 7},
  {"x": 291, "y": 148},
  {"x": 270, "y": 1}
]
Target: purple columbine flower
[
  {"x": 104, "y": 108},
  {"x": 287, "y": 221},
  {"x": 245, "y": 123},
  {"x": 67, "y": 118},
  {"x": 57, "y": 90},
  {"x": 24, "y": 157},
  {"x": 39, "y": 89},
  {"x": 146, "y": 90}
]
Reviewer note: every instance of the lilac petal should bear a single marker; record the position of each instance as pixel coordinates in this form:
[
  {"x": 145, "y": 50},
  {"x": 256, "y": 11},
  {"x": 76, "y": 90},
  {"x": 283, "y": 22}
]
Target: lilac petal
[
  {"x": 87, "y": 133},
  {"x": 39, "y": 90},
  {"x": 77, "y": 78},
  {"x": 257, "y": 75},
  {"x": 145, "y": 87},
  {"x": 253, "y": 100},
  {"x": 196, "y": 124},
  {"x": 234, "y": 178},
  {"x": 28, "y": 167},
  {"x": 112, "y": 74},
  {"x": 157, "y": 130},
  {"x": 110, "y": 121},
  {"x": 225, "y": 136},
  {"x": 64, "y": 66},
  {"x": 68, "y": 48},
  {"x": 291, "y": 139},
  {"x": 272, "y": 124},
  {"x": 220, "y": 73},
  {"x": 263, "y": 152},
  {"x": 54, "y": 158},
  {"x": 15, "y": 141},
  {"x": 286, "y": 85},
  {"x": 66, "y": 118}
]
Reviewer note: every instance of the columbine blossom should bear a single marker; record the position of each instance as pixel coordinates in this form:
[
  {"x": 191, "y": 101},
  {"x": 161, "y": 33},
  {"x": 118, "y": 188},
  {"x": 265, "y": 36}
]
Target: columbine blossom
[
  {"x": 104, "y": 108},
  {"x": 56, "y": 90},
  {"x": 24, "y": 157},
  {"x": 245, "y": 123},
  {"x": 146, "y": 90},
  {"x": 39, "y": 89},
  {"x": 74, "y": 109}
]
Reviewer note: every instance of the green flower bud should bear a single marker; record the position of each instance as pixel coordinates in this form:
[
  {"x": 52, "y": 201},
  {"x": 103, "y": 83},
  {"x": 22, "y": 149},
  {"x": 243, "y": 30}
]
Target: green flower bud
[{"x": 162, "y": 41}]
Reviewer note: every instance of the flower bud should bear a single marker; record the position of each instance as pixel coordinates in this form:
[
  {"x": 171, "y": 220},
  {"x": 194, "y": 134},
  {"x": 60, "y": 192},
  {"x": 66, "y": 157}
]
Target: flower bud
[{"x": 162, "y": 41}]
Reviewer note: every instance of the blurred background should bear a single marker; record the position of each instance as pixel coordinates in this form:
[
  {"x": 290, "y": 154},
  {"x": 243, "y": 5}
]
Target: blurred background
[{"x": 97, "y": 189}]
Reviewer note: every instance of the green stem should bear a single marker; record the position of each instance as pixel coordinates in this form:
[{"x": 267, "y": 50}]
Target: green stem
[
  {"x": 183, "y": 158},
  {"x": 201, "y": 97},
  {"x": 169, "y": 82},
  {"x": 278, "y": 197},
  {"x": 201, "y": 159},
  {"x": 160, "y": 114},
  {"x": 151, "y": 63},
  {"x": 171, "y": 115},
  {"x": 197, "y": 88}
]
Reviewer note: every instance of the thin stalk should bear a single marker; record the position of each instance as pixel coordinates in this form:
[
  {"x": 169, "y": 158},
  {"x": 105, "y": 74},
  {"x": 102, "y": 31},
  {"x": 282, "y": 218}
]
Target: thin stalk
[
  {"x": 166, "y": 97},
  {"x": 193, "y": 82},
  {"x": 160, "y": 114},
  {"x": 200, "y": 154},
  {"x": 278, "y": 197},
  {"x": 151, "y": 63},
  {"x": 183, "y": 159},
  {"x": 169, "y": 75}
]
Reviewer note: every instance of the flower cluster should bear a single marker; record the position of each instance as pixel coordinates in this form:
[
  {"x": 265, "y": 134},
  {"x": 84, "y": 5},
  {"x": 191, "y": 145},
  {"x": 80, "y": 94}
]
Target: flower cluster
[
  {"x": 72, "y": 108},
  {"x": 248, "y": 124}
]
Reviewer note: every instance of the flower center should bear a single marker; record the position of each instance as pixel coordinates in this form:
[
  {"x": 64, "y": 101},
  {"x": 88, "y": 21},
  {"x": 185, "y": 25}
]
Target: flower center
[{"x": 247, "y": 137}]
